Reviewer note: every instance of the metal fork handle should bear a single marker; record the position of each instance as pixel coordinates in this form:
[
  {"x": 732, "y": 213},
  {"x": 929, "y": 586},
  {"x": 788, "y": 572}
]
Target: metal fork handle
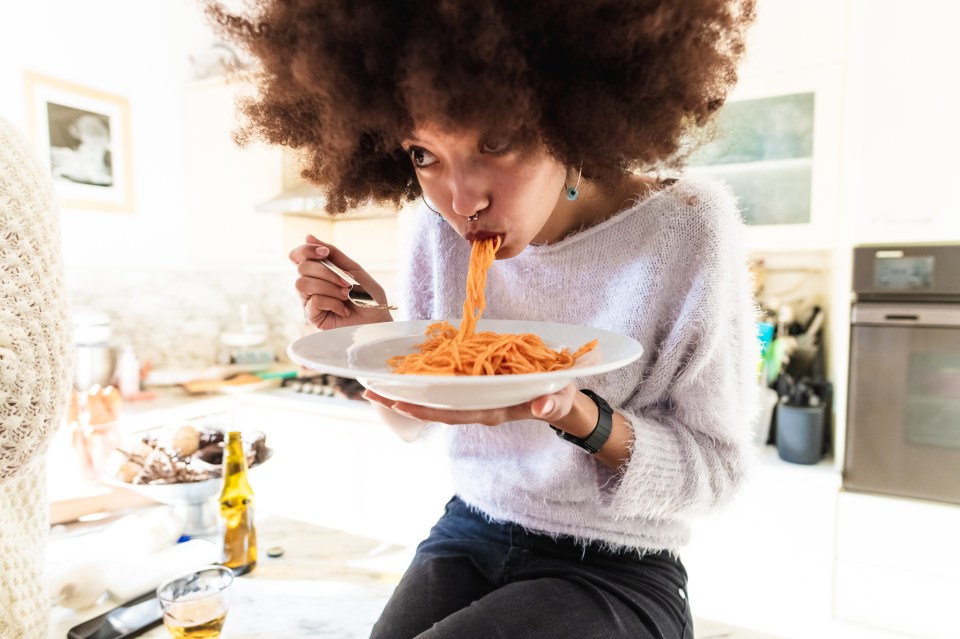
[
  {"x": 339, "y": 271},
  {"x": 358, "y": 295}
]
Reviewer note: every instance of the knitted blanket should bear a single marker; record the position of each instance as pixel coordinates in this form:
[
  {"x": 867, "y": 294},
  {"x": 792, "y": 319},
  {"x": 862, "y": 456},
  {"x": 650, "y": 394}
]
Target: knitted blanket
[{"x": 35, "y": 374}]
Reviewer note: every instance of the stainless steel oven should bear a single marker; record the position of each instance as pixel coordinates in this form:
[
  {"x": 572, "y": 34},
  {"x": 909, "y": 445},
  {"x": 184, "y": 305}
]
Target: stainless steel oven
[{"x": 903, "y": 422}]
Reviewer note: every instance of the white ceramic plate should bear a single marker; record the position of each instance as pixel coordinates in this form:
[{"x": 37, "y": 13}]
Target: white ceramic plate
[{"x": 362, "y": 352}]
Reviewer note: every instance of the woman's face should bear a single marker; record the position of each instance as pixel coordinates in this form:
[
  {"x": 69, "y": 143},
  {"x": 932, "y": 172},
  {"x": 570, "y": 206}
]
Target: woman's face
[{"x": 518, "y": 193}]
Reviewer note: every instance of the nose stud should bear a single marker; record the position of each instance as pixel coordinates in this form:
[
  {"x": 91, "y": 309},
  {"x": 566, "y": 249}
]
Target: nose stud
[{"x": 474, "y": 217}]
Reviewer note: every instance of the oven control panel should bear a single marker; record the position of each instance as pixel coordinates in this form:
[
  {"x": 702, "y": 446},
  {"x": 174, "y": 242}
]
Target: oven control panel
[{"x": 919, "y": 273}]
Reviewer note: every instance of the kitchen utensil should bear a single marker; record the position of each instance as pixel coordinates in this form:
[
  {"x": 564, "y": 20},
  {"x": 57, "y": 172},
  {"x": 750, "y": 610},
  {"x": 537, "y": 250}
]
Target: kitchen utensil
[
  {"x": 358, "y": 295},
  {"x": 129, "y": 619},
  {"x": 361, "y": 352},
  {"x": 800, "y": 433},
  {"x": 240, "y": 383},
  {"x": 95, "y": 358}
]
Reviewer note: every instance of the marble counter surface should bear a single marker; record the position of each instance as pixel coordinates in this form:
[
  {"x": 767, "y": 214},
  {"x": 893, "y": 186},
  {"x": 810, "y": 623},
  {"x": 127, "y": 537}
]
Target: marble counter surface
[{"x": 326, "y": 584}]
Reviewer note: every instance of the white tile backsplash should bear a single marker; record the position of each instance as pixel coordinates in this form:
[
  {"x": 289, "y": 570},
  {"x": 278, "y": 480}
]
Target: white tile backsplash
[{"x": 174, "y": 318}]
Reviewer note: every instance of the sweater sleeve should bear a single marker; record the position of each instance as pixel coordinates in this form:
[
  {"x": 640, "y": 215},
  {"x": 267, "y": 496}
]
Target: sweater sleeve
[
  {"x": 691, "y": 412},
  {"x": 35, "y": 352}
]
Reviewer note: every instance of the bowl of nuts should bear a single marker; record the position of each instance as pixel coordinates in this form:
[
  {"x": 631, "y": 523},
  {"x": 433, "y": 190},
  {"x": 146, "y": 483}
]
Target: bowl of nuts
[{"x": 182, "y": 465}]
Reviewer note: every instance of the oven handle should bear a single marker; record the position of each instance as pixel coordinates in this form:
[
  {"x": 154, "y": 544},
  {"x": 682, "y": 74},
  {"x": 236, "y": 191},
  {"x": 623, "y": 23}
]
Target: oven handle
[{"x": 946, "y": 315}]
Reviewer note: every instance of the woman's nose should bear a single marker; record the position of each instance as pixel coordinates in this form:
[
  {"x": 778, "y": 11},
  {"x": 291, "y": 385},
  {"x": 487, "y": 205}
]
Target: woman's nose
[{"x": 468, "y": 195}]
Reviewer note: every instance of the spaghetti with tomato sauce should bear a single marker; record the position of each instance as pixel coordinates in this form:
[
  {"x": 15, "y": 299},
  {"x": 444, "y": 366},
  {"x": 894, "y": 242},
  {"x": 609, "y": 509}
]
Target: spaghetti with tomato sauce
[{"x": 464, "y": 351}]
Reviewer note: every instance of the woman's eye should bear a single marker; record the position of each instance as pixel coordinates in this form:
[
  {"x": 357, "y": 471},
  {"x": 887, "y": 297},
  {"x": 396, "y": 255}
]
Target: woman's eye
[
  {"x": 421, "y": 157},
  {"x": 496, "y": 145}
]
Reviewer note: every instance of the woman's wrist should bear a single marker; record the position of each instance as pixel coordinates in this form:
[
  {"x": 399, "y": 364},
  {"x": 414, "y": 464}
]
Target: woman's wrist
[{"x": 582, "y": 418}]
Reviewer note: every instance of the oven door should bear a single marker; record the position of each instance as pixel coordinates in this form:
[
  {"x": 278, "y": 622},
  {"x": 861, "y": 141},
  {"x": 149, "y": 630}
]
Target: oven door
[{"x": 903, "y": 421}]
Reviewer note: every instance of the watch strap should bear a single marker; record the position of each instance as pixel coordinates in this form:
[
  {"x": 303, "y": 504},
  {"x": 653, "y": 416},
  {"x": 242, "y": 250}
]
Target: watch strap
[{"x": 593, "y": 442}]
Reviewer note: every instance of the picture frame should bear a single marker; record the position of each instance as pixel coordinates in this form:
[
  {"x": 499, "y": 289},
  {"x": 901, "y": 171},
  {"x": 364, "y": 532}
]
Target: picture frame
[{"x": 83, "y": 135}]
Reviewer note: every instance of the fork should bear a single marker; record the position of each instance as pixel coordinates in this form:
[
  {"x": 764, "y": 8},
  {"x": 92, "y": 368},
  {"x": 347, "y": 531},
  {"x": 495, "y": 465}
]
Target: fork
[{"x": 358, "y": 295}]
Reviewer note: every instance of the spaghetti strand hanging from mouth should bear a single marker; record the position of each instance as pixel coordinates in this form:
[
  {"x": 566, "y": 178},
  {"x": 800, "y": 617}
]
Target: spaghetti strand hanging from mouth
[{"x": 463, "y": 351}]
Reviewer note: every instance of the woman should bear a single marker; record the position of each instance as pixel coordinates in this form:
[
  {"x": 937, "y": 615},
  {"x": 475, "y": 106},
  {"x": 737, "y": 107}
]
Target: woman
[
  {"x": 541, "y": 123},
  {"x": 35, "y": 374}
]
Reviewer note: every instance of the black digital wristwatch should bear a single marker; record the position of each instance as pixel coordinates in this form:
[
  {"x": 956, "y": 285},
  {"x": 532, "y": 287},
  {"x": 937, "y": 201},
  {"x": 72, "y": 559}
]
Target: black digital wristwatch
[{"x": 601, "y": 432}]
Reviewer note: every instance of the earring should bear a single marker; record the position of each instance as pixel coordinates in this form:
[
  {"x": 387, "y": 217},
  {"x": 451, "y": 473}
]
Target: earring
[
  {"x": 427, "y": 204},
  {"x": 574, "y": 191}
]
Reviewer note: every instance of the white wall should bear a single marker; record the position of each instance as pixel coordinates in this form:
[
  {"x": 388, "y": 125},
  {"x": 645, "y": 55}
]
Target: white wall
[
  {"x": 139, "y": 50},
  {"x": 122, "y": 48}
]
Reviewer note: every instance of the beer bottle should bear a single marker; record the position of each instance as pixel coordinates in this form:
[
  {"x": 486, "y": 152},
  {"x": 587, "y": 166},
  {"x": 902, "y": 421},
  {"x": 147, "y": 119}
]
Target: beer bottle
[{"x": 236, "y": 510}]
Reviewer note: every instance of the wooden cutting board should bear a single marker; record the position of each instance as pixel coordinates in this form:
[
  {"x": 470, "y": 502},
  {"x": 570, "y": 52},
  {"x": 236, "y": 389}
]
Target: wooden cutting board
[
  {"x": 107, "y": 500},
  {"x": 213, "y": 385}
]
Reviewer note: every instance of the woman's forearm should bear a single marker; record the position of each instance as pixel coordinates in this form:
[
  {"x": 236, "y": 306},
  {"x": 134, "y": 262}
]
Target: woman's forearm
[{"x": 581, "y": 421}]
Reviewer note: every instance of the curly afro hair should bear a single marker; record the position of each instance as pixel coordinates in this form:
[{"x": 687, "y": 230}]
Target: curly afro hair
[{"x": 612, "y": 86}]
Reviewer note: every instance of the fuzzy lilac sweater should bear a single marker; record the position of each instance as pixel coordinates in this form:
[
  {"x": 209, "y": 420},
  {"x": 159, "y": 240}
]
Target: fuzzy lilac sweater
[{"x": 671, "y": 272}]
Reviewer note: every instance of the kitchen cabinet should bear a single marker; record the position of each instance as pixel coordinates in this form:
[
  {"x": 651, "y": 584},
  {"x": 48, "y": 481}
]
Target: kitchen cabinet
[
  {"x": 765, "y": 561},
  {"x": 796, "y": 556},
  {"x": 903, "y": 125},
  {"x": 898, "y": 564},
  {"x": 223, "y": 182},
  {"x": 783, "y": 60},
  {"x": 337, "y": 465},
  {"x": 813, "y": 179}
]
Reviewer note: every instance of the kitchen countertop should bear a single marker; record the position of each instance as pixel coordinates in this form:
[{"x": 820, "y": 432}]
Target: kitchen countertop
[
  {"x": 169, "y": 406},
  {"x": 825, "y": 472},
  {"x": 174, "y": 404},
  {"x": 327, "y": 583},
  {"x": 330, "y": 583}
]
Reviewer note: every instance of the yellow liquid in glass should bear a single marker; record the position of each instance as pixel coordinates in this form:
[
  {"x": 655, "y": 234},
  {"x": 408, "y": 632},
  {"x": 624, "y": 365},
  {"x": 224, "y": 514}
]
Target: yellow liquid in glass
[{"x": 203, "y": 630}]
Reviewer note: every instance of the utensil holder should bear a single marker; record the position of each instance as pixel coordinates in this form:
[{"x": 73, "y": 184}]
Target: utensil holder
[{"x": 800, "y": 433}]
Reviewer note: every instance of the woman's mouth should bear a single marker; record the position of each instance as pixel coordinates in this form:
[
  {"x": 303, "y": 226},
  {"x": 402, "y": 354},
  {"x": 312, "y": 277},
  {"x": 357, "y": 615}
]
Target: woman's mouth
[{"x": 477, "y": 236}]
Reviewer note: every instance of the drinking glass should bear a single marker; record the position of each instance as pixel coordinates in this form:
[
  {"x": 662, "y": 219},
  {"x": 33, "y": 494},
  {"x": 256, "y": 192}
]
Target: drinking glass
[{"x": 195, "y": 605}]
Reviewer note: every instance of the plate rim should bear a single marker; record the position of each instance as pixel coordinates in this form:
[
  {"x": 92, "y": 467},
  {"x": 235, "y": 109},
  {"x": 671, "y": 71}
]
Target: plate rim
[{"x": 581, "y": 371}]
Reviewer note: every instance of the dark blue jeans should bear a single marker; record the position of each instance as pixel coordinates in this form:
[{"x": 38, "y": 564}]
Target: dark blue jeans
[{"x": 475, "y": 579}]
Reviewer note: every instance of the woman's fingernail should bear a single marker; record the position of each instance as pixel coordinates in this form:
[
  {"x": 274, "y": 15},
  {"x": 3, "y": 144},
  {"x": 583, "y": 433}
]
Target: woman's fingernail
[
  {"x": 547, "y": 407},
  {"x": 323, "y": 251},
  {"x": 345, "y": 292}
]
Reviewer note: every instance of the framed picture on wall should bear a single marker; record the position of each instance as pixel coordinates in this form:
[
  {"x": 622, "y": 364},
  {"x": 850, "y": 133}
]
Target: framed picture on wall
[{"x": 83, "y": 135}]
